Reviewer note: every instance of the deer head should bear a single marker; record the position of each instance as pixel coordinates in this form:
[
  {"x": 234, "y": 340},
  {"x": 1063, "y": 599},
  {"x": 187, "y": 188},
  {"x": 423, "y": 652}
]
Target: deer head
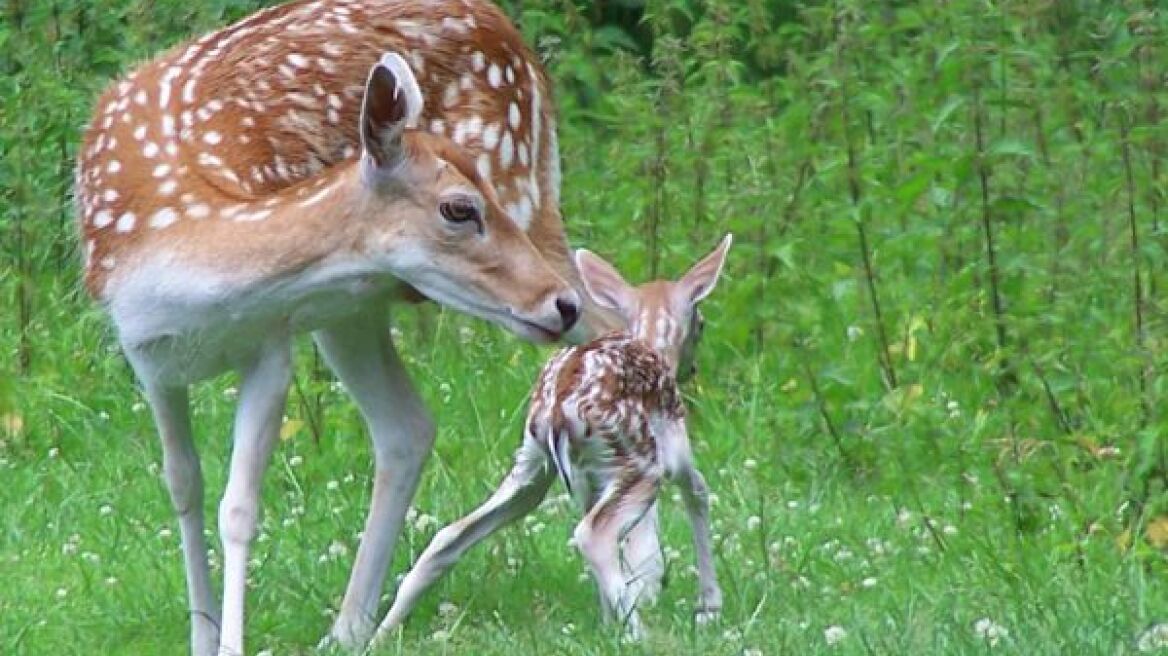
[{"x": 662, "y": 313}]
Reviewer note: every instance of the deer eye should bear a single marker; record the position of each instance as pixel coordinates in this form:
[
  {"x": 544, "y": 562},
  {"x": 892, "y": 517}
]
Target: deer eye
[{"x": 460, "y": 210}]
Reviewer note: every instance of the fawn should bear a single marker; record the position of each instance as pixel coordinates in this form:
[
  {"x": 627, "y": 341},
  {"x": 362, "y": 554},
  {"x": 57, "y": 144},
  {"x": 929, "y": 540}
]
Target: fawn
[{"x": 606, "y": 416}]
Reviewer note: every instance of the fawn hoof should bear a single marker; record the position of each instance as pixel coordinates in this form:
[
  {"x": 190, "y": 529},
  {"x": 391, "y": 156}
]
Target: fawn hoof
[{"x": 704, "y": 616}]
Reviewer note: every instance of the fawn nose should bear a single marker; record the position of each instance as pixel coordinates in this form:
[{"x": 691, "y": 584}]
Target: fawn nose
[{"x": 569, "y": 308}]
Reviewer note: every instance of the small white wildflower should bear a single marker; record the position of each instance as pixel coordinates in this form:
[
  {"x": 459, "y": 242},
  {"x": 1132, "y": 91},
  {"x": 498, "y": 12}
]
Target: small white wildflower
[
  {"x": 111, "y": 580},
  {"x": 1154, "y": 638},
  {"x": 792, "y": 504},
  {"x": 732, "y": 634},
  {"x": 62, "y": 593},
  {"x": 230, "y": 393},
  {"x": 425, "y": 521},
  {"x": 904, "y": 517},
  {"x": 295, "y": 461},
  {"x": 447, "y": 609},
  {"x": 671, "y": 554},
  {"x": 441, "y": 635},
  {"x": 750, "y": 463},
  {"x": 568, "y": 629},
  {"x": 165, "y": 532},
  {"x": 54, "y": 452},
  {"x": 336, "y": 549},
  {"x": 751, "y": 651},
  {"x": 842, "y": 555},
  {"x": 297, "y": 510},
  {"x": 949, "y": 529},
  {"x": 713, "y": 499},
  {"x": 854, "y": 333},
  {"x": 332, "y": 485},
  {"x": 90, "y": 557},
  {"x": 990, "y": 631},
  {"x": 869, "y": 582},
  {"x": 834, "y": 634},
  {"x": 103, "y": 415},
  {"x": 753, "y": 522},
  {"x": 105, "y": 510},
  {"x": 137, "y": 407},
  {"x": 266, "y": 652}
]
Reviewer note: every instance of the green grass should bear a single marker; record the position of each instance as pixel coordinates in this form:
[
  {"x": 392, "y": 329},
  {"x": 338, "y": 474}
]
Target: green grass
[
  {"x": 92, "y": 564},
  {"x": 1015, "y": 473}
]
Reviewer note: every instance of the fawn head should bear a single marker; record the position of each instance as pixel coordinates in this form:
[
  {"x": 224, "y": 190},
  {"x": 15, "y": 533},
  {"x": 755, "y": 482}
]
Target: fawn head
[
  {"x": 436, "y": 224},
  {"x": 662, "y": 313}
]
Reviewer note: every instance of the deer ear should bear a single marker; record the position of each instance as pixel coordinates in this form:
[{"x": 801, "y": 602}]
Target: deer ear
[
  {"x": 392, "y": 102},
  {"x": 700, "y": 280},
  {"x": 603, "y": 283}
]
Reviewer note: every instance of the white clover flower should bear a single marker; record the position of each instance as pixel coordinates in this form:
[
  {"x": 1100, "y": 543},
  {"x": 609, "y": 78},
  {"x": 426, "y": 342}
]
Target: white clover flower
[
  {"x": 753, "y": 522},
  {"x": 751, "y": 651},
  {"x": 230, "y": 393},
  {"x": 854, "y": 333},
  {"x": 54, "y": 452},
  {"x": 869, "y": 582},
  {"x": 111, "y": 580},
  {"x": 1154, "y": 638},
  {"x": 750, "y": 463},
  {"x": 834, "y": 634},
  {"x": 295, "y": 461},
  {"x": 949, "y": 529},
  {"x": 441, "y": 635},
  {"x": 447, "y": 609},
  {"x": 105, "y": 510},
  {"x": 990, "y": 631},
  {"x": 332, "y": 485}
]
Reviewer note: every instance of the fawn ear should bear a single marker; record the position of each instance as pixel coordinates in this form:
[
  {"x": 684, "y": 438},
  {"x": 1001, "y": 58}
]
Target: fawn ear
[
  {"x": 392, "y": 102},
  {"x": 602, "y": 281},
  {"x": 700, "y": 280}
]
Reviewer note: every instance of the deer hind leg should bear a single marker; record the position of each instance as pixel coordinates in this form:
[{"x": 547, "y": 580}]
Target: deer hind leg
[
  {"x": 263, "y": 391},
  {"x": 361, "y": 353},
  {"x": 620, "y": 509},
  {"x": 641, "y": 557},
  {"x": 520, "y": 492},
  {"x": 696, "y": 495},
  {"x": 184, "y": 480}
]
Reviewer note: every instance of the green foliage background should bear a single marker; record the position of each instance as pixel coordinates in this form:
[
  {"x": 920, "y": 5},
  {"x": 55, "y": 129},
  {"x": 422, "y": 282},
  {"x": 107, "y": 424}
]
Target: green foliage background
[{"x": 945, "y": 308}]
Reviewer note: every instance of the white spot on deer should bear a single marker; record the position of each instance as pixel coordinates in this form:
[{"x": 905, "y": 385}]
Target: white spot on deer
[
  {"x": 163, "y": 218},
  {"x": 199, "y": 211},
  {"x": 524, "y": 214},
  {"x": 126, "y": 222},
  {"x": 90, "y": 246},
  {"x": 467, "y": 128},
  {"x": 109, "y": 195},
  {"x": 140, "y": 132},
  {"x": 162, "y": 170},
  {"x": 417, "y": 62},
  {"x": 466, "y": 82},
  {"x": 187, "y": 118},
  {"x": 494, "y": 76},
  {"x": 509, "y": 73},
  {"x": 102, "y": 219},
  {"x": 326, "y": 65},
  {"x": 335, "y": 101},
  {"x": 258, "y": 215},
  {"x": 113, "y": 167},
  {"x": 491, "y": 136},
  {"x": 168, "y": 187},
  {"x": 150, "y": 150},
  {"x": 332, "y": 49},
  {"x": 210, "y": 161},
  {"x": 522, "y": 149},
  {"x": 478, "y": 61},
  {"x": 108, "y": 262},
  {"x": 483, "y": 164},
  {"x": 333, "y": 116},
  {"x": 212, "y": 138},
  {"x": 315, "y": 198},
  {"x": 298, "y": 60},
  {"x": 140, "y": 97},
  {"x": 172, "y": 148},
  {"x": 247, "y": 122},
  {"x": 513, "y": 116},
  {"x": 168, "y": 125},
  {"x": 450, "y": 95},
  {"x": 453, "y": 24},
  {"x": 506, "y": 150},
  {"x": 438, "y": 126},
  {"x": 286, "y": 71},
  {"x": 112, "y": 143},
  {"x": 188, "y": 92}
]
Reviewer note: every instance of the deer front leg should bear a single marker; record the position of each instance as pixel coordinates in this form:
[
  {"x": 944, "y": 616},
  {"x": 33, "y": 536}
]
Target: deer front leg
[
  {"x": 184, "y": 480},
  {"x": 696, "y": 495},
  {"x": 519, "y": 493},
  {"x": 361, "y": 353},
  {"x": 263, "y": 391}
]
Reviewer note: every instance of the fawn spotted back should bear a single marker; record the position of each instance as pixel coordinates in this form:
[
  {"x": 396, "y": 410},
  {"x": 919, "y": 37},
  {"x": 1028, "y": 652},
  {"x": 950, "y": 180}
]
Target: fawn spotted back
[{"x": 607, "y": 417}]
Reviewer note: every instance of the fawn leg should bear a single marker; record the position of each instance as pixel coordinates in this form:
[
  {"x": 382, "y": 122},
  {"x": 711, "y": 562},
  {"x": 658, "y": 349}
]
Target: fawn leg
[
  {"x": 519, "y": 493},
  {"x": 696, "y": 495},
  {"x": 598, "y": 536}
]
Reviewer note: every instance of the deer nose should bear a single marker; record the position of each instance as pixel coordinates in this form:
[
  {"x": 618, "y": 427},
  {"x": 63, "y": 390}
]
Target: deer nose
[{"x": 569, "y": 308}]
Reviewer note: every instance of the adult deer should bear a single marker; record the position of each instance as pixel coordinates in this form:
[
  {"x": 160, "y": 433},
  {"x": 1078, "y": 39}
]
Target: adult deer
[{"x": 302, "y": 170}]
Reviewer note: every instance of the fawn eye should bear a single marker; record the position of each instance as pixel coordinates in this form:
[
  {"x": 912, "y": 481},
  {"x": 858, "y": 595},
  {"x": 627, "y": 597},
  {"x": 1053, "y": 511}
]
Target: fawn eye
[{"x": 460, "y": 210}]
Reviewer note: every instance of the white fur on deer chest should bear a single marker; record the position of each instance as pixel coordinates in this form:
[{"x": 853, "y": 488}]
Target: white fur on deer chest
[{"x": 181, "y": 323}]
